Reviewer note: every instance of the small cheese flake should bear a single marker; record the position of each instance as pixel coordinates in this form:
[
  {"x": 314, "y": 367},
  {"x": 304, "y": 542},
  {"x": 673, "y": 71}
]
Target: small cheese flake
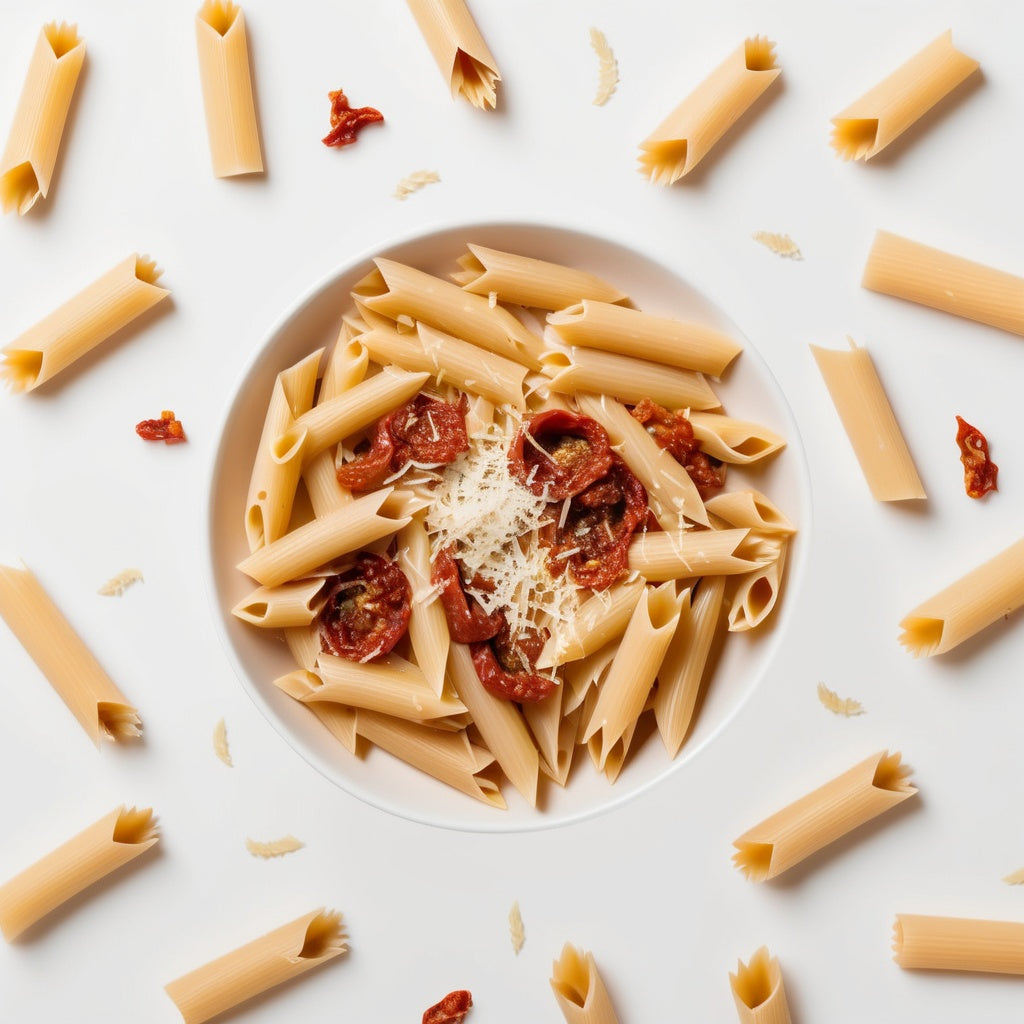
[
  {"x": 515, "y": 928},
  {"x": 117, "y": 585},
  {"x": 608, "y": 68},
  {"x": 274, "y": 848},
  {"x": 220, "y": 743},
  {"x": 1015, "y": 877},
  {"x": 781, "y": 245},
  {"x": 839, "y": 705},
  {"x": 414, "y": 182}
]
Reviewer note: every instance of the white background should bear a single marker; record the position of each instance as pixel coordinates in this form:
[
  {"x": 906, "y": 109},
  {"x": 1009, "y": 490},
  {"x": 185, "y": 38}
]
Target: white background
[{"x": 648, "y": 887}]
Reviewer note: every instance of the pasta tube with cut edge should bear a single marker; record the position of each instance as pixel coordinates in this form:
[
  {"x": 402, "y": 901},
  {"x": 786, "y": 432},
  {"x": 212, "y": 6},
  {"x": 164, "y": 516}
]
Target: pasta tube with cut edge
[
  {"x": 26, "y": 168},
  {"x": 929, "y": 943},
  {"x": 111, "y": 302},
  {"x": 105, "y": 846},
  {"x": 807, "y": 825},
  {"x": 579, "y": 989},
  {"x": 885, "y": 112},
  {"x": 758, "y": 990},
  {"x": 686, "y": 136},
  {"x": 975, "y": 601},
  {"x": 684, "y": 554},
  {"x": 290, "y": 604},
  {"x": 279, "y": 956}
]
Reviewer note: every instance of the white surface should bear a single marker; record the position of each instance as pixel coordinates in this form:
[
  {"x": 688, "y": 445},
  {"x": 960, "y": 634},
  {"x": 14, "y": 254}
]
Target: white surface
[{"x": 648, "y": 887}]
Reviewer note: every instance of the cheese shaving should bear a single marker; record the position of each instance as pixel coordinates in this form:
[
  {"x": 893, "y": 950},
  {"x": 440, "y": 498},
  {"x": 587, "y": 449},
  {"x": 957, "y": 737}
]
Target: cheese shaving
[
  {"x": 781, "y": 245},
  {"x": 220, "y": 743},
  {"x": 274, "y": 848},
  {"x": 1015, "y": 877},
  {"x": 608, "y": 68},
  {"x": 117, "y": 585},
  {"x": 414, "y": 182},
  {"x": 515, "y": 928},
  {"x": 839, "y": 705}
]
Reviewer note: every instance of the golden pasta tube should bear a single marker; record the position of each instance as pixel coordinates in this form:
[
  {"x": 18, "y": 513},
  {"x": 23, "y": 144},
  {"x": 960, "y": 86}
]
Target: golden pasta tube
[
  {"x": 756, "y": 593},
  {"x": 83, "y": 322},
  {"x": 459, "y": 49},
  {"x": 975, "y": 601},
  {"x": 958, "y": 944},
  {"x": 79, "y": 679},
  {"x": 686, "y": 136},
  {"x": 30, "y": 155},
  {"x": 279, "y": 956},
  {"x": 751, "y": 510},
  {"x": 94, "y": 853},
  {"x": 807, "y": 825},
  {"x": 579, "y": 989},
  {"x": 428, "y": 627},
  {"x": 231, "y": 124},
  {"x": 685, "y": 554},
  {"x": 930, "y": 277},
  {"x": 290, "y": 604},
  {"x": 758, "y": 991},
  {"x": 885, "y": 112},
  {"x": 339, "y": 720},
  {"x": 732, "y": 440}
]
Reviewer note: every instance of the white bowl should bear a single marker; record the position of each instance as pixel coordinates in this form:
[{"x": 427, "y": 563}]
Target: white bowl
[{"x": 749, "y": 391}]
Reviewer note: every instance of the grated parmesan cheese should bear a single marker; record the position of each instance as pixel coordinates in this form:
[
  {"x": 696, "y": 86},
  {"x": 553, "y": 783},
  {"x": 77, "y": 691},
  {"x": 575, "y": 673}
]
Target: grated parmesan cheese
[
  {"x": 414, "y": 182},
  {"x": 608, "y": 67},
  {"x": 220, "y": 743},
  {"x": 839, "y": 705},
  {"x": 517, "y": 932},
  {"x": 274, "y": 848},
  {"x": 781, "y": 245},
  {"x": 116, "y": 585}
]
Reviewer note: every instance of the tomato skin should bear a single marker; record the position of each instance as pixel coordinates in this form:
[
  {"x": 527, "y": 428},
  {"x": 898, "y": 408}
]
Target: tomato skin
[
  {"x": 166, "y": 429},
  {"x": 500, "y": 666},
  {"x": 979, "y": 470},
  {"x": 673, "y": 432},
  {"x": 578, "y": 448},
  {"x": 367, "y": 610},
  {"x": 346, "y": 122},
  {"x": 450, "y": 1010},
  {"x": 467, "y": 623}
]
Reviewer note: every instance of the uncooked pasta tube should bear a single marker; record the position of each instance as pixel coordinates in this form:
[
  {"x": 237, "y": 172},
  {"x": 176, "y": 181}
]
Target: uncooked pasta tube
[
  {"x": 758, "y": 991},
  {"x": 958, "y": 944},
  {"x": 579, "y": 990}
]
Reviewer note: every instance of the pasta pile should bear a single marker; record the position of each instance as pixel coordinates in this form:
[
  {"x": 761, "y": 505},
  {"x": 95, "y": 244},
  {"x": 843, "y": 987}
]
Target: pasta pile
[{"x": 639, "y": 645}]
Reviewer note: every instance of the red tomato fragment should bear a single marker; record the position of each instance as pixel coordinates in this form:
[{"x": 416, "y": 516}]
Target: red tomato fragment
[
  {"x": 451, "y": 1010},
  {"x": 166, "y": 429},
  {"x": 672, "y": 431},
  {"x": 505, "y": 666},
  {"x": 558, "y": 453},
  {"x": 979, "y": 470},
  {"x": 467, "y": 621},
  {"x": 346, "y": 121}
]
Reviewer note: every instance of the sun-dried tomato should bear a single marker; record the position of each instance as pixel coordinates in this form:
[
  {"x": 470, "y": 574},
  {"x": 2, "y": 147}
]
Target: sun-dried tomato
[
  {"x": 672, "y": 431},
  {"x": 505, "y": 665},
  {"x": 346, "y": 121},
  {"x": 593, "y": 542},
  {"x": 979, "y": 470},
  {"x": 426, "y": 431},
  {"x": 367, "y": 609},
  {"x": 166, "y": 429},
  {"x": 560, "y": 451},
  {"x": 467, "y": 621},
  {"x": 451, "y": 1010}
]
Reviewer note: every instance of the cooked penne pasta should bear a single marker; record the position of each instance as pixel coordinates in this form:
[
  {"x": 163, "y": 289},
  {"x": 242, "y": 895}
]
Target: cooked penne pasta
[
  {"x": 686, "y": 136},
  {"x": 111, "y": 302},
  {"x": 684, "y": 665},
  {"x": 459, "y": 49},
  {"x": 918, "y": 273},
  {"x": 94, "y": 853},
  {"x": 975, "y": 601},
  {"x": 681, "y": 555},
  {"x": 735, "y": 441},
  {"x": 321, "y": 541},
  {"x": 869, "y": 422},
  {"x": 927, "y": 943},
  {"x": 553, "y": 733},
  {"x": 755, "y": 593},
  {"x": 304, "y": 644},
  {"x": 579, "y": 990},
  {"x": 290, "y": 604},
  {"x": 276, "y": 469},
  {"x": 428, "y": 628},
  {"x": 30, "y": 155},
  {"x": 339, "y": 720},
  {"x": 447, "y": 358},
  {"x": 758, "y": 991},
  {"x": 670, "y": 491},
  {"x": 631, "y": 332},
  {"x": 627, "y": 379},
  {"x": 231, "y": 123},
  {"x": 804, "y": 827},
  {"x": 525, "y": 281},
  {"x": 749, "y": 509},
  {"x": 282, "y": 955},
  {"x": 885, "y": 112},
  {"x": 73, "y": 671}
]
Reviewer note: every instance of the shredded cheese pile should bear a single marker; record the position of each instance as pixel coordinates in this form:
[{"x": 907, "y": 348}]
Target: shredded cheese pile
[{"x": 493, "y": 522}]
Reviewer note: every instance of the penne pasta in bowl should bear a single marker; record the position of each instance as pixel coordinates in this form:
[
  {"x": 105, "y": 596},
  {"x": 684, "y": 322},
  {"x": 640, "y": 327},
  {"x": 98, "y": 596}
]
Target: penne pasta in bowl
[{"x": 465, "y": 562}]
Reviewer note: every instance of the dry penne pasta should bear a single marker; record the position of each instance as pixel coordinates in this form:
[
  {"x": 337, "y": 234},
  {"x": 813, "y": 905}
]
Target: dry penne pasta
[
  {"x": 758, "y": 990},
  {"x": 755, "y": 593},
  {"x": 459, "y": 50},
  {"x": 290, "y": 604},
  {"x": 983, "y": 596},
  {"x": 930, "y": 277},
  {"x": 928, "y": 943},
  {"x": 30, "y": 155},
  {"x": 749, "y": 509},
  {"x": 105, "y": 846},
  {"x": 554, "y": 734},
  {"x": 807, "y": 825},
  {"x": 525, "y": 281},
  {"x": 627, "y": 379},
  {"x": 632, "y": 332},
  {"x": 231, "y": 123},
  {"x": 339, "y": 720},
  {"x": 731, "y": 440},
  {"x": 579, "y": 989},
  {"x": 79, "y": 679},
  {"x": 281, "y": 955},
  {"x": 686, "y": 136},
  {"x": 80, "y": 324},
  {"x": 870, "y": 424},
  {"x": 681, "y": 555},
  {"x": 885, "y": 112}
]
